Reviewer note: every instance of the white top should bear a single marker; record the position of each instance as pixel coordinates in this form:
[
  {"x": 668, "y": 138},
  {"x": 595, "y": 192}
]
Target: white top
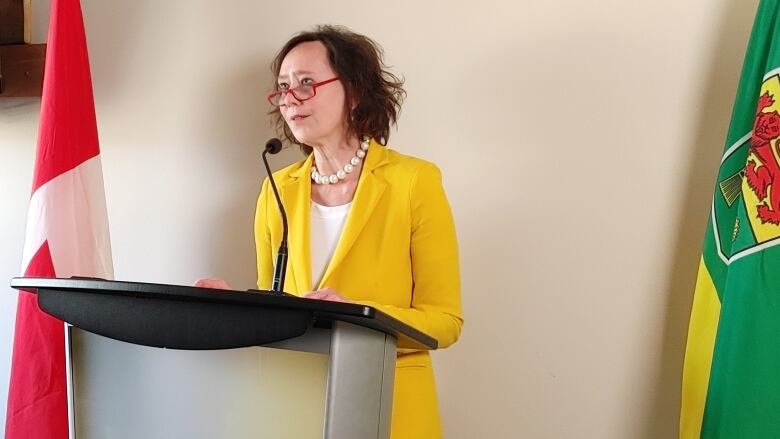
[{"x": 327, "y": 222}]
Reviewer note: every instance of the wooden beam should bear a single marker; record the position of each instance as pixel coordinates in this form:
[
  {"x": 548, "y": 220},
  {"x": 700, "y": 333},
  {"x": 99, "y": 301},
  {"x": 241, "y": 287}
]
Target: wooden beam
[
  {"x": 21, "y": 70},
  {"x": 11, "y": 21},
  {"x": 27, "y": 21},
  {"x": 21, "y": 65}
]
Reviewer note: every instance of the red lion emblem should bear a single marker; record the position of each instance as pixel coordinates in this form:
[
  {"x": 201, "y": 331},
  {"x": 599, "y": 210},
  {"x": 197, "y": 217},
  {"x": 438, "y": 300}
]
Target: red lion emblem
[{"x": 766, "y": 173}]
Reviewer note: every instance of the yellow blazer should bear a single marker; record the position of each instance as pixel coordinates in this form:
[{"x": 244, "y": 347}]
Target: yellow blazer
[{"x": 398, "y": 253}]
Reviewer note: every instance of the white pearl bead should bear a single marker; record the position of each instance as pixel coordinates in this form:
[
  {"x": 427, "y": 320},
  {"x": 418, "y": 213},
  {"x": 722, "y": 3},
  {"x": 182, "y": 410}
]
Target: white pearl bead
[
  {"x": 360, "y": 153},
  {"x": 324, "y": 180},
  {"x": 355, "y": 161},
  {"x": 348, "y": 168},
  {"x": 333, "y": 179},
  {"x": 364, "y": 146},
  {"x": 318, "y": 179},
  {"x": 341, "y": 174}
]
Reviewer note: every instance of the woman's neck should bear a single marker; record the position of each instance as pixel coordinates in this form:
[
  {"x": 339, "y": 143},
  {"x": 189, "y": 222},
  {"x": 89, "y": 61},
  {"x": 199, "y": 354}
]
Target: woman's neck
[{"x": 331, "y": 157}]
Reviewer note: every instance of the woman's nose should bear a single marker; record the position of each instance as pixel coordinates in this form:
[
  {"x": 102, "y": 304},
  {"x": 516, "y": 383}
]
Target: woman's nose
[{"x": 288, "y": 99}]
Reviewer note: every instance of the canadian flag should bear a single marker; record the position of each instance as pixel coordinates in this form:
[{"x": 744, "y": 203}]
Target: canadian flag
[{"x": 67, "y": 227}]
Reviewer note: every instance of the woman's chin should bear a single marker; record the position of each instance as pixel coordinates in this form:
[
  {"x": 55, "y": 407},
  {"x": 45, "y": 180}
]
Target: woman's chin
[{"x": 303, "y": 137}]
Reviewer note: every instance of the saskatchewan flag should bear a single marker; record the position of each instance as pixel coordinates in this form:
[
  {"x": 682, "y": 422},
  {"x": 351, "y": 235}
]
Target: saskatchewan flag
[{"x": 731, "y": 377}]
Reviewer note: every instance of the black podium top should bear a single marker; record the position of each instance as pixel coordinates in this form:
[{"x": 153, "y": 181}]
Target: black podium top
[{"x": 183, "y": 317}]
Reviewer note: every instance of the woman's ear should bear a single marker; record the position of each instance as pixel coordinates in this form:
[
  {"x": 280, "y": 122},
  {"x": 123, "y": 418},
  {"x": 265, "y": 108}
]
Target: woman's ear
[{"x": 354, "y": 102}]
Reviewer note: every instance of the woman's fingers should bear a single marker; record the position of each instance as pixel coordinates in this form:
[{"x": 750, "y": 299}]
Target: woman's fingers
[
  {"x": 217, "y": 284},
  {"x": 318, "y": 294},
  {"x": 327, "y": 294}
]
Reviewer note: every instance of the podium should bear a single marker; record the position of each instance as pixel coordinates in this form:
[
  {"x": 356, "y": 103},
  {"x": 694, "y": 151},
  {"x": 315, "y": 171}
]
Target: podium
[{"x": 360, "y": 341}]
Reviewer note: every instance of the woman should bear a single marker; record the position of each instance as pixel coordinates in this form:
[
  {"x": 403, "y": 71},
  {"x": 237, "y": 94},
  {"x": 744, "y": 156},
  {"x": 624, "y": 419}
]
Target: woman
[{"x": 367, "y": 224}]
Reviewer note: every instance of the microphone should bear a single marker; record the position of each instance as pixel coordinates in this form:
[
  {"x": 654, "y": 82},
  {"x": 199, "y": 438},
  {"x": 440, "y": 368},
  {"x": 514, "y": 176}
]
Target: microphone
[{"x": 273, "y": 146}]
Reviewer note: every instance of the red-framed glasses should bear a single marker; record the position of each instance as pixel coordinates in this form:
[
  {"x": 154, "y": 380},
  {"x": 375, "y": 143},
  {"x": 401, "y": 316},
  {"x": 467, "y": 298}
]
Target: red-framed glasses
[{"x": 302, "y": 92}]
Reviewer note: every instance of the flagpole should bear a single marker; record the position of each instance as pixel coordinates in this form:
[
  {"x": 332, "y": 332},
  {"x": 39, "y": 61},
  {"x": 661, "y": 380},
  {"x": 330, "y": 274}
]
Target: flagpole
[{"x": 69, "y": 381}]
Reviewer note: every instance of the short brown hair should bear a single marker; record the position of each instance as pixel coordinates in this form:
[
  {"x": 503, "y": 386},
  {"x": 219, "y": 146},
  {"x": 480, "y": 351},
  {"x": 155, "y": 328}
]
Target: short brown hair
[{"x": 357, "y": 60}]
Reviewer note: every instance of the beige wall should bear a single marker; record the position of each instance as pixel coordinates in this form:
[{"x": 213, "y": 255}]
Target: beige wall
[{"x": 578, "y": 141}]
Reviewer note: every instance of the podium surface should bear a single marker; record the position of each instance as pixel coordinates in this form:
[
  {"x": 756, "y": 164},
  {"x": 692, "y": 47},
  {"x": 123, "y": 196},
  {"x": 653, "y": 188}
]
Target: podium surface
[{"x": 359, "y": 340}]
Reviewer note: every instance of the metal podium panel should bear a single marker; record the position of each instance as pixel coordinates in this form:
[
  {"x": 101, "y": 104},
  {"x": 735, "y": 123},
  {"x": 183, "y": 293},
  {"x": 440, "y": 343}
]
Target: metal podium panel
[
  {"x": 124, "y": 391},
  {"x": 121, "y": 390},
  {"x": 360, "y": 380}
]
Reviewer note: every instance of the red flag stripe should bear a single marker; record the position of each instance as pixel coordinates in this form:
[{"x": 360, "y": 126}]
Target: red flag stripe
[
  {"x": 68, "y": 131},
  {"x": 38, "y": 401}
]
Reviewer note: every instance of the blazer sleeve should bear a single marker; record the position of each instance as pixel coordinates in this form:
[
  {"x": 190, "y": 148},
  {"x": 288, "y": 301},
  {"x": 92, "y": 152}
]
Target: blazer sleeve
[
  {"x": 265, "y": 263},
  {"x": 435, "y": 303}
]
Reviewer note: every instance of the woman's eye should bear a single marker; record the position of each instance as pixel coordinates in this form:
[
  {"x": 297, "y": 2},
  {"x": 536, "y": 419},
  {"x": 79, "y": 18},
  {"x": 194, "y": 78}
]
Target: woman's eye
[
  {"x": 307, "y": 81},
  {"x": 283, "y": 86}
]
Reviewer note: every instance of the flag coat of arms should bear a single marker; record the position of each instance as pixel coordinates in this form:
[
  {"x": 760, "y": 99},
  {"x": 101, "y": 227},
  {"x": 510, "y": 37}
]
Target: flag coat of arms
[
  {"x": 731, "y": 376},
  {"x": 67, "y": 227}
]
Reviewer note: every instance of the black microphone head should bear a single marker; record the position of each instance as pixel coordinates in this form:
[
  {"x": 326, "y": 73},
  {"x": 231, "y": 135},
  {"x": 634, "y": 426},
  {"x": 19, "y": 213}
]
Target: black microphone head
[{"x": 273, "y": 145}]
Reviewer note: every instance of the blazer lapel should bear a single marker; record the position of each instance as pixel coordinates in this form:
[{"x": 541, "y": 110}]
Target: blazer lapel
[
  {"x": 296, "y": 196},
  {"x": 369, "y": 191}
]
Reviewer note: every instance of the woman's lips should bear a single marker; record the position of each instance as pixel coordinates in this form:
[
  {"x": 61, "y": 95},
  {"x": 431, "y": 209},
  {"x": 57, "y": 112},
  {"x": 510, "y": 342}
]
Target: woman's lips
[{"x": 298, "y": 117}]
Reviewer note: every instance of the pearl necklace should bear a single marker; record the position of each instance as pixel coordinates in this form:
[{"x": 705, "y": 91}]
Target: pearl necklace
[{"x": 348, "y": 168}]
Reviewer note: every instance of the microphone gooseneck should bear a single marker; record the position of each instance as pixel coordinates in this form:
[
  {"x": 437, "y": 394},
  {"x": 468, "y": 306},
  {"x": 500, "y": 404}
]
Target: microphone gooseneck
[{"x": 273, "y": 146}]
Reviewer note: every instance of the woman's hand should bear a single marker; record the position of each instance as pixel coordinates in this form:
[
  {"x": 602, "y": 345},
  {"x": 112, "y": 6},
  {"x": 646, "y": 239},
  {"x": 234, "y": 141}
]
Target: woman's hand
[
  {"x": 217, "y": 284},
  {"x": 327, "y": 293}
]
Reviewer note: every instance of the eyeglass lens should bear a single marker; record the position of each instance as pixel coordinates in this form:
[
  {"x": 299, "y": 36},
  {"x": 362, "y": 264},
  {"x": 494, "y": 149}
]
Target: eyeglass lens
[{"x": 301, "y": 93}]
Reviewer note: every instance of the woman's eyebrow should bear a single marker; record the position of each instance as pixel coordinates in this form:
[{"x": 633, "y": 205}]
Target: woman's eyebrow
[{"x": 297, "y": 72}]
